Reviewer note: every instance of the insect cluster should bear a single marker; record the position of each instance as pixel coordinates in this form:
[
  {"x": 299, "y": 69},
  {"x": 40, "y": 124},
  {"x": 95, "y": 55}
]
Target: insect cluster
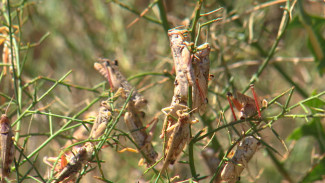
[{"x": 192, "y": 67}]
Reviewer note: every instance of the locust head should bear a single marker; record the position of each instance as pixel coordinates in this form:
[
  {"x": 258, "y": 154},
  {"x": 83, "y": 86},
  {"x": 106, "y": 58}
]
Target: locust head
[{"x": 4, "y": 119}]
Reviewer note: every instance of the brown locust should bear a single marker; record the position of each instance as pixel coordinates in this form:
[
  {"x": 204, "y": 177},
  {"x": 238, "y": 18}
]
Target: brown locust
[
  {"x": 179, "y": 137},
  {"x": 244, "y": 152},
  {"x": 103, "y": 117},
  {"x": 7, "y": 146},
  {"x": 109, "y": 69}
]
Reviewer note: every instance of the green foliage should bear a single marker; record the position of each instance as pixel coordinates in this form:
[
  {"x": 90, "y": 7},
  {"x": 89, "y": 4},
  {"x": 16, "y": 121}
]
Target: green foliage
[
  {"x": 314, "y": 127},
  {"x": 316, "y": 42},
  {"x": 316, "y": 172}
]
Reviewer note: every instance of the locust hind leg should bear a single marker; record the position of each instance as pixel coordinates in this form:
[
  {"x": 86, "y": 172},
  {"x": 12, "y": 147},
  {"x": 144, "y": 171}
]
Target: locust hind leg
[
  {"x": 230, "y": 97},
  {"x": 256, "y": 101},
  {"x": 187, "y": 56}
]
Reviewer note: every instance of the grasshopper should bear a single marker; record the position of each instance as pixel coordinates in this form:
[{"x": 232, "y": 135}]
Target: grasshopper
[
  {"x": 7, "y": 146},
  {"x": 167, "y": 132},
  {"x": 61, "y": 163},
  {"x": 169, "y": 119},
  {"x": 101, "y": 121},
  {"x": 189, "y": 74},
  {"x": 183, "y": 64},
  {"x": 7, "y": 51},
  {"x": 201, "y": 67},
  {"x": 244, "y": 152},
  {"x": 245, "y": 104},
  {"x": 133, "y": 121},
  {"x": 75, "y": 163},
  {"x": 109, "y": 69},
  {"x": 179, "y": 137},
  {"x": 184, "y": 77}
]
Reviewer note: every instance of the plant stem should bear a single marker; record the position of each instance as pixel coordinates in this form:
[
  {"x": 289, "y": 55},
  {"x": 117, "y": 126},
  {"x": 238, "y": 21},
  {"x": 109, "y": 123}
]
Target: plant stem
[
  {"x": 59, "y": 131},
  {"x": 150, "y": 19},
  {"x": 196, "y": 18},
  {"x": 37, "y": 100},
  {"x": 163, "y": 16}
]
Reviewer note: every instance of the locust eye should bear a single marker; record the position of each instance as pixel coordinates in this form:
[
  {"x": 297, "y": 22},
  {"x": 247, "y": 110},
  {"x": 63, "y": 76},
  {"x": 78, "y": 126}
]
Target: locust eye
[
  {"x": 107, "y": 63},
  {"x": 116, "y": 62}
]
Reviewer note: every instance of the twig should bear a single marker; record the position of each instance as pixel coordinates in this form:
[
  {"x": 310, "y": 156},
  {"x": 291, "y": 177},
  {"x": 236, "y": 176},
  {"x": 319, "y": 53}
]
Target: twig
[
  {"x": 245, "y": 63},
  {"x": 163, "y": 16},
  {"x": 150, "y": 19}
]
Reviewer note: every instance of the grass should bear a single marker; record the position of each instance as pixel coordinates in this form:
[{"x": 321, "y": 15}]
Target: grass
[{"x": 277, "y": 45}]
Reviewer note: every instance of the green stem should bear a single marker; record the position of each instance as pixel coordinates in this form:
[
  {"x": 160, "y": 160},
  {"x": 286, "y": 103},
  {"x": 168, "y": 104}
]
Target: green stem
[
  {"x": 150, "y": 74},
  {"x": 163, "y": 16},
  {"x": 150, "y": 19},
  {"x": 37, "y": 100},
  {"x": 100, "y": 145},
  {"x": 59, "y": 131},
  {"x": 45, "y": 36},
  {"x": 54, "y": 115},
  {"x": 196, "y": 18},
  {"x": 17, "y": 88},
  {"x": 191, "y": 156},
  {"x": 303, "y": 101},
  {"x": 218, "y": 129},
  {"x": 61, "y": 83},
  {"x": 286, "y": 76}
]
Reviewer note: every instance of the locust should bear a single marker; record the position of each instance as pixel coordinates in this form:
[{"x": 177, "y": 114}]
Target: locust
[
  {"x": 133, "y": 117},
  {"x": 244, "y": 152},
  {"x": 133, "y": 121},
  {"x": 180, "y": 136},
  {"x": 7, "y": 52},
  {"x": 75, "y": 163},
  {"x": 101, "y": 121},
  {"x": 61, "y": 163},
  {"x": 170, "y": 120},
  {"x": 183, "y": 64},
  {"x": 109, "y": 69},
  {"x": 201, "y": 66},
  {"x": 188, "y": 74},
  {"x": 7, "y": 146},
  {"x": 246, "y": 105},
  {"x": 184, "y": 77}
]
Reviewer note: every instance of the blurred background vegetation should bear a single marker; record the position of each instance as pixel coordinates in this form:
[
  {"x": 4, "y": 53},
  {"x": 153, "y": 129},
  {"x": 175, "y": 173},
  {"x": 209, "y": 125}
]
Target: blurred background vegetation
[{"x": 54, "y": 37}]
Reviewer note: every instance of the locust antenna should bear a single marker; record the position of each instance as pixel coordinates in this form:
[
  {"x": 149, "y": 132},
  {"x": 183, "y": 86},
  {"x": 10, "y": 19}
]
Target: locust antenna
[{"x": 8, "y": 105}]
